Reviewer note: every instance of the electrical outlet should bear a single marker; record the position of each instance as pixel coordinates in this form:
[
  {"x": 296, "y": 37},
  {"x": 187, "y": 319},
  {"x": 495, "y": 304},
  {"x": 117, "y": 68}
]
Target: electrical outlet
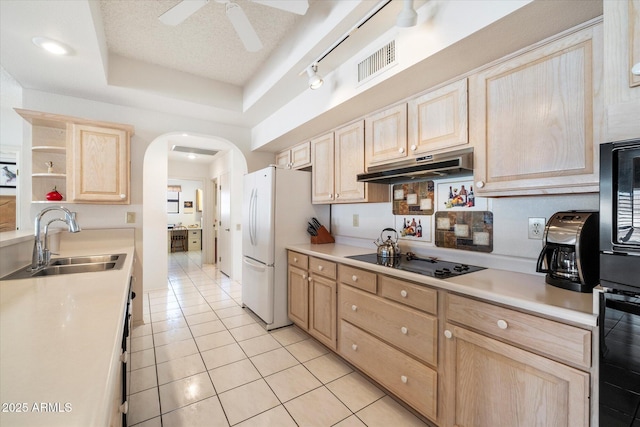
[
  {"x": 536, "y": 228},
  {"x": 131, "y": 218},
  {"x": 356, "y": 220}
]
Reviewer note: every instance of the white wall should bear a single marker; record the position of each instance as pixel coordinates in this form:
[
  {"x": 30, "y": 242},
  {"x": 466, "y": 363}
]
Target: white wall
[{"x": 11, "y": 132}]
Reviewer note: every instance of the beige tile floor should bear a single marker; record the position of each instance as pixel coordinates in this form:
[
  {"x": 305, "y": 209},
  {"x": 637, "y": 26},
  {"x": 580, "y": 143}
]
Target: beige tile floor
[{"x": 200, "y": 359}]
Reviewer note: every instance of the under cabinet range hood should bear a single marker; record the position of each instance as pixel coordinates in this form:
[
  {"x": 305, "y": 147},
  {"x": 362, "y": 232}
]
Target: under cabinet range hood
[{"x": 432, "y": 166}]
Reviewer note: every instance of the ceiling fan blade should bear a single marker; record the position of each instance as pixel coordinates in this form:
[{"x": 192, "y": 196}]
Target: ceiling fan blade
[
  {"x": 243, "y": 27},
  {"x": 182, "y": 11},
  {"x": 298, "y": 7}
]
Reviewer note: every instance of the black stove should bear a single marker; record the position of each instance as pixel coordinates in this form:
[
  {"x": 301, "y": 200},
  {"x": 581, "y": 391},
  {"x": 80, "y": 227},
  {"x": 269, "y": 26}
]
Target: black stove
[{"x": 425, "y": 266}]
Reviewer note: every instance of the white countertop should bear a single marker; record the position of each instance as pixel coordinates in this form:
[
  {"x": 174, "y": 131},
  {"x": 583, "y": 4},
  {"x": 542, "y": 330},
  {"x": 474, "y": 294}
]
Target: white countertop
[
  {"x": 60, "y": 337},
  {"x": 519, "y": 290}
]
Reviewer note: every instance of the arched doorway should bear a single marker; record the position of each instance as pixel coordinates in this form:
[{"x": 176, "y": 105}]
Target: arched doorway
[{"x": 154, "y": 214}]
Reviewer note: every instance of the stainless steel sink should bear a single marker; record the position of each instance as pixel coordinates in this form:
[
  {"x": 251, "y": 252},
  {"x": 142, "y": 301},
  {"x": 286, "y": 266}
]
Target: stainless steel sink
[
  {"x": 93, "y": 259},
  {"x": 71, "y": 265}
]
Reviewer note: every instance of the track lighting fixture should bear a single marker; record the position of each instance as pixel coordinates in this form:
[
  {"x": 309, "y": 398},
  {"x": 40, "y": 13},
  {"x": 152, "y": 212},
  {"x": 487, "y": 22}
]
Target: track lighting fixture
[
  {"x": 315, "y": 80},
  {"x": 407, "y": 16}
]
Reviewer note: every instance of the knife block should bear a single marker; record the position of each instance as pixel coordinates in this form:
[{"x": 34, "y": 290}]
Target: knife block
[{"x": 323, "y": 237}]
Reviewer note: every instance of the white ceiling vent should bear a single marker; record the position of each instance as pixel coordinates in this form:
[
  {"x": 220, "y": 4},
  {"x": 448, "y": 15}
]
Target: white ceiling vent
[{"x": 377, "y": 62}]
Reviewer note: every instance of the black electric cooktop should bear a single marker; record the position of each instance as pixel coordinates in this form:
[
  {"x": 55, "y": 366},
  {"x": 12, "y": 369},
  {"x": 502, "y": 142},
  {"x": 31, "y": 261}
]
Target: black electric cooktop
[{"x": 426, "y": 266}]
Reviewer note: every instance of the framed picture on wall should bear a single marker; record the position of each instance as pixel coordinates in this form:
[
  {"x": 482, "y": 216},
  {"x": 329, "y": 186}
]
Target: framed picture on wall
[
  {"x": 8, "y": 175},
  {"x": 188, "y": 207}
]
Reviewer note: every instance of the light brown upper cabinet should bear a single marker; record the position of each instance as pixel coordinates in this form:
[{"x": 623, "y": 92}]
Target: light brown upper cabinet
[
  {"x": 537, "y": 118},
  {"x": 85, "y": 160},
  {"x": 386, "y": 135},
  {"x": 438, "y": 119},
  {"x": 338, "y": 157},
  {"x": 296, "y": 157},
  {"x": 99, "y": 162},
  {"x": 621, "y": 53}
]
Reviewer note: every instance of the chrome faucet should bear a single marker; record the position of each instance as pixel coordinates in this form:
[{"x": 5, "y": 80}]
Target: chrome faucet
[{"x": 41, "y": 253}]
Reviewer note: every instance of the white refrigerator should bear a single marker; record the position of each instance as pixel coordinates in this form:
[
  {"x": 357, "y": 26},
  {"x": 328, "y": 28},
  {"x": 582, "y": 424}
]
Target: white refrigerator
[{"x": 275, "y": 210}]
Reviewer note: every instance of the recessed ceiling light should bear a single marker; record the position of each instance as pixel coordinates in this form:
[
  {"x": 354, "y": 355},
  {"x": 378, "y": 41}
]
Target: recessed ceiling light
[
  {"x": 192, "y": 156},
  {"x": 52, "y": 46}
]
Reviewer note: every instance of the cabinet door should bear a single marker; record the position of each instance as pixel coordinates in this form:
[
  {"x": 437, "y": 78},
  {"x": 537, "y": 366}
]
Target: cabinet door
[
  {"x": 283, "y": 159},
  {"x": 536, "y": 119},
  {"x": 322, "y": 310},
  {"x": 298, "y": 293},
  {"x": 301, "y": 155},
  {"x": 349, "y": 152},
  {"x": 438, "y": 119},
  {"x": 322, "y": 175},
  {"x": 386, "y": 135},
  {"x": 99, "y": 162},
  {"x": 491, "y": 383}
]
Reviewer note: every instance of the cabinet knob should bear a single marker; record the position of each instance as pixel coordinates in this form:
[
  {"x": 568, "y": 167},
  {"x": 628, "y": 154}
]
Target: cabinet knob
[
  {"x": 354, "y": 347},
  {"x": 320, "y": 267},
  {"x": 404, "y": 330},
  {"x": 401, "y": 150},
  {"x": 404, "y": 379},
  {"x": 448, "y": 334},
  {"x": 403, "y": 293},
  {"x": 635, "y": 70},
  {"x": 304, "y": 277},
  {"x": 124, "y": 408},
  {"x": 354, "y": 278},
  {"x": 414, "y": 147},
  {"x": 309, "y": 278},
  {"x": 480, "y": 184},
  {"x": 124, "y": 357},
  {"x": 337, "y": 195},
  {"x": 354, "y": 307},
  {"x": 295, "y": 259},
  {"x": 502, "y": 324},
  {"x": 123, "y": 196}
]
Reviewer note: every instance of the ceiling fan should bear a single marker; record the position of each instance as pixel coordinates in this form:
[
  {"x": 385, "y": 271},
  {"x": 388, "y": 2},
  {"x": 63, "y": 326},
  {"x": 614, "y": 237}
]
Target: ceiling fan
[{"x": 236, "y": 15}]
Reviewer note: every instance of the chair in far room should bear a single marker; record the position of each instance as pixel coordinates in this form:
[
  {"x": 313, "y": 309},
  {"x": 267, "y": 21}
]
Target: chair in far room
[{"x": 179, "y": 236}]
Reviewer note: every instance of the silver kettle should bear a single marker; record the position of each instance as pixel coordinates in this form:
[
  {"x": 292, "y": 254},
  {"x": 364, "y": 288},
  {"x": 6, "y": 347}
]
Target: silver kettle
[{"x": 388, "y": 249}]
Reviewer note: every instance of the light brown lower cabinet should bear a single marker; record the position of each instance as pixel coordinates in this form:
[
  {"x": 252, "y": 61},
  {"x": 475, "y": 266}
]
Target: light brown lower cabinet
[
  {"x": 493, "y": 384},
  {"x": 312, "y": 297}
]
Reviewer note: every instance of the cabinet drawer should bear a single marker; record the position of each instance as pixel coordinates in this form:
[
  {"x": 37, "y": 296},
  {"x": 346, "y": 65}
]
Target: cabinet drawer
[
  {"x": 417, "y": 296},
  {"x": 322, "y": 267},
  {"x": 355, "y": 277},
  {"x": 403, "y": 327},
  {"x": 299, "y": 260},
  {"x": 194, "y": 234},
  {"x": 553, "y": 339},
  {"x": 410, "y": 380}
]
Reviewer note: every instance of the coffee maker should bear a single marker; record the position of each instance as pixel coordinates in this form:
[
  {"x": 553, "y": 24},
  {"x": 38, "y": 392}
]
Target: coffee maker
[{"x": 570, "y": 253}]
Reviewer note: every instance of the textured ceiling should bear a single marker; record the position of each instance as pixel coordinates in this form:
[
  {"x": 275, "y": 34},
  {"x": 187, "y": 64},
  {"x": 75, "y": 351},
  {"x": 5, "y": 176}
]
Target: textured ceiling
[{"x": 205, "y": 44}]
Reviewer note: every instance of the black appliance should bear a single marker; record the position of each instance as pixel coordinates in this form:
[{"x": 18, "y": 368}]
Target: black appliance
[
  {"x": 570, "y": 252},
  {"x": 619, "y": 320},
  {"x": 425, "y": 266}
]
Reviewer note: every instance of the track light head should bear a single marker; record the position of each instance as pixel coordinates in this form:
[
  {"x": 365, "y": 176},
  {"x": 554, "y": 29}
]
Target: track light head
[
  {"x": 407, "y": 16},
  {"x": 315, "y": 80}
]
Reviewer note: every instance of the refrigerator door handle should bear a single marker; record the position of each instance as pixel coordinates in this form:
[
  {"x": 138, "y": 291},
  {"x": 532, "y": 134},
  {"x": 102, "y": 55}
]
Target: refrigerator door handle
[
  {"x": 254, "y": 225},
  {"x": 251, "y": 216},
  {"x": 257, "y": 266}
]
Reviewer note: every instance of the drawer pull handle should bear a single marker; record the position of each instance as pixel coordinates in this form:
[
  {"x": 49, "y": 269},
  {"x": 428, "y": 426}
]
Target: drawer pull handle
[
  {"x": 295, "y": 259},
  {"x": 404, "y": 330},
  {"x": 354, "y": 307},
  {"x": 403, "y": 293},
  {"x": 448, "y": 334},
  {"x": 320, "y": 267},
  {"x": 354, "y": 278},
  {"x": 354, "y": 347},
  {"x": 404, "y": 379},
  {"x": 502, "y": 324}
]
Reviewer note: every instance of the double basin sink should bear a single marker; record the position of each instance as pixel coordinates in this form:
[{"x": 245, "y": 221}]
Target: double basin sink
[{"x": 71, "y": 265}]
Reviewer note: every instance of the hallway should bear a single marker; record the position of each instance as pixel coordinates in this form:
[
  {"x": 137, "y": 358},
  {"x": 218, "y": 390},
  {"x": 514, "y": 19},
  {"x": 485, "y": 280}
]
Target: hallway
[{"x": 200, "y": 359}]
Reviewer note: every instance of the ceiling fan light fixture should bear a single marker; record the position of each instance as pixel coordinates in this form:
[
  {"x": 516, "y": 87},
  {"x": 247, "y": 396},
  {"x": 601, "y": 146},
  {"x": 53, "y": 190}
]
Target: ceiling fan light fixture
[
  {"x": 315, "y": 80},
  {"x": 52, "y": 46},
  {"x": 407, "y": 16}
]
